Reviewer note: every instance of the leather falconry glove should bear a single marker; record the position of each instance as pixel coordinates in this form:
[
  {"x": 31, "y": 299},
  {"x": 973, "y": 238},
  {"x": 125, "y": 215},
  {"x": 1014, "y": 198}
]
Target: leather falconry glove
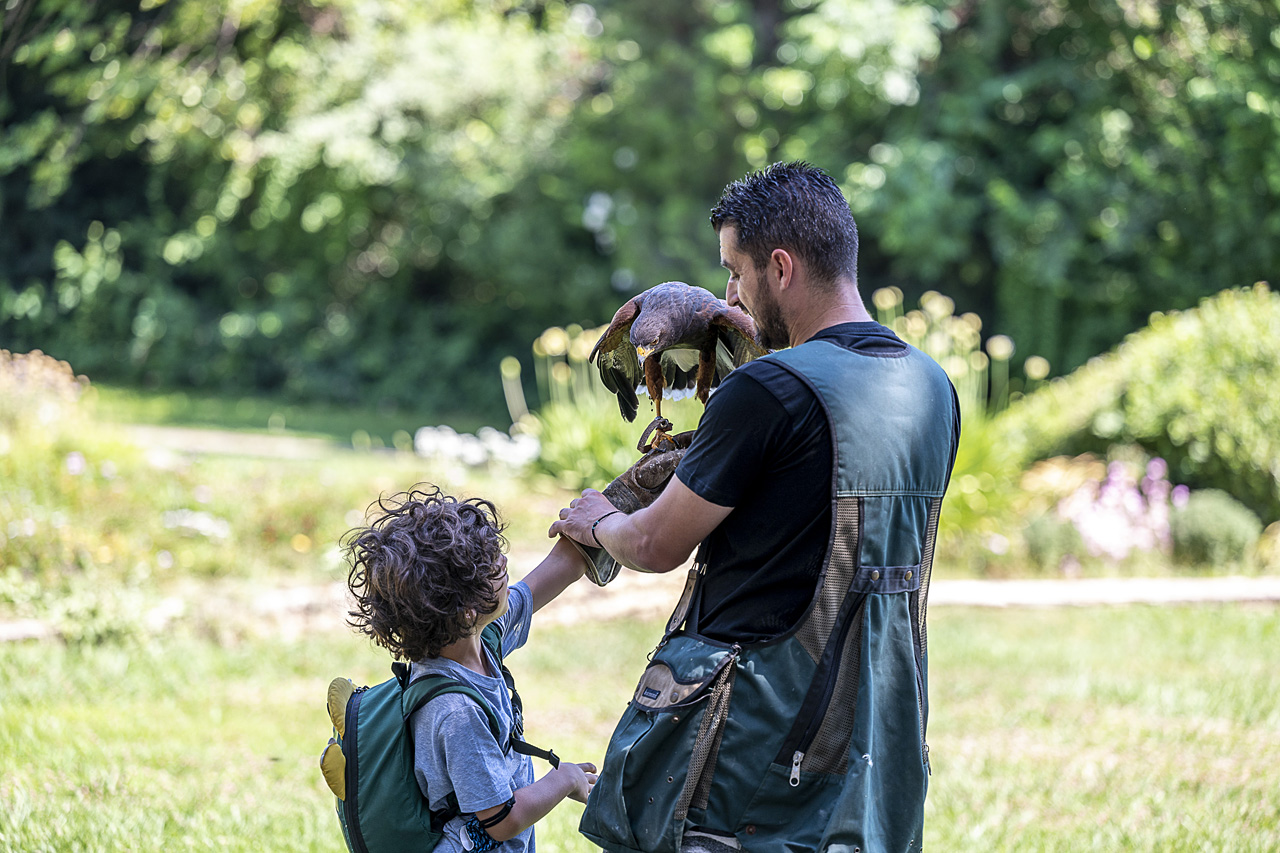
[{"x": 634, "y": 489}]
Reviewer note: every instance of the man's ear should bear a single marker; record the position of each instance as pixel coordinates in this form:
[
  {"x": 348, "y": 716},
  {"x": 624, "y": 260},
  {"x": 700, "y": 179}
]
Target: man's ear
[{"x": 781, "y": 268}]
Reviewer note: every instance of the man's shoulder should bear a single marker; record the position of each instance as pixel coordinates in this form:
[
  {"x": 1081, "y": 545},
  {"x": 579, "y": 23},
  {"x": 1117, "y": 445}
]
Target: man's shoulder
[{"x": 766, "y": 373}]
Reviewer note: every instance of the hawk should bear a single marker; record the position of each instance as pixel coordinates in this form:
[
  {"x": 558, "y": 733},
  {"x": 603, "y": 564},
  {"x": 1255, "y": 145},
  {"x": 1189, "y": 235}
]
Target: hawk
[{"x": 672, "y": 337}]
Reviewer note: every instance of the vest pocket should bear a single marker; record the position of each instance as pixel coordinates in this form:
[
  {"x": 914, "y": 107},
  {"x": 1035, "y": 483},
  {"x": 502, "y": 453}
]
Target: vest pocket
[
  {"x": 662, "y": 753},
  {"x": 786, "y": 816}
]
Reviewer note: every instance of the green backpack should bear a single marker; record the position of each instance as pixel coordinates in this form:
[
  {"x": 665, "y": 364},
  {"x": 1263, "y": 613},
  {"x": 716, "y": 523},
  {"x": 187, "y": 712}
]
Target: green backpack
[{"x": 368, "y": 763}]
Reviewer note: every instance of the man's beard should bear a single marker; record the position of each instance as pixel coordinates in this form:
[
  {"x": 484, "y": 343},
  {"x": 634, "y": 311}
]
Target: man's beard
[{"x": 771, "y": 329}]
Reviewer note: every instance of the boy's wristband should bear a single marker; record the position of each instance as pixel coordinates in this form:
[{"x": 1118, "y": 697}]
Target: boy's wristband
[{"x": 597, "y": 521}]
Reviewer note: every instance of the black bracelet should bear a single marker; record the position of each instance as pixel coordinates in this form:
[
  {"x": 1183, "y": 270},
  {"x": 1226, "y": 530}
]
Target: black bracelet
[{"x": 597, "y": 521}]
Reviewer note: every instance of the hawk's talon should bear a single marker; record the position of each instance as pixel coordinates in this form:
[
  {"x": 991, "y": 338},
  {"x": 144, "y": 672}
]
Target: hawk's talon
[
  {"x": 663, "y": 441},
  {"x": 662, "y": 427}
]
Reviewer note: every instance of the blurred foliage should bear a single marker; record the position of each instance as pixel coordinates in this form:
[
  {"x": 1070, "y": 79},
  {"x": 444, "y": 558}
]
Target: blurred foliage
[
  {"x": 1051, "y": 542},
  {"x": 377, "y": 201},
  {"x": 584, "y": 440},
  {"x": 1213, "y": 529},
  {"x": 1267, "y": 551},
  {"x": 282, "y": 196},
  {"x": 984, "y": 480},
  {"x": 1196, "y": 387}
]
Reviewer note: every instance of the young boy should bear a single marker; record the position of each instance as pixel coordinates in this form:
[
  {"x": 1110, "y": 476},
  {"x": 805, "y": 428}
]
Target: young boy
[{"x": 428, "y": 575}]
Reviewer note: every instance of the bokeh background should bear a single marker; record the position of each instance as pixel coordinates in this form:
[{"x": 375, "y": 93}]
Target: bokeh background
[{"x": 263, "y": 261}]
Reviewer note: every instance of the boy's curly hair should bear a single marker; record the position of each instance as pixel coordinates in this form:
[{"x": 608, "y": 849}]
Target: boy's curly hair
[{"x": 422, "y": 572}]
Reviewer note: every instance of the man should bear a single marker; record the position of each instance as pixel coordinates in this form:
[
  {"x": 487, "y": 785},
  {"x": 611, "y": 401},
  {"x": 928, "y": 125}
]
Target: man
[{"x": 786, "y": 708}]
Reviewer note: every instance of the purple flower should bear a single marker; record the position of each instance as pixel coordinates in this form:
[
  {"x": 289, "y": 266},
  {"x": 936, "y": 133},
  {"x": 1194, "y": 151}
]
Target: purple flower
[{"x": 1121, "y": 514}]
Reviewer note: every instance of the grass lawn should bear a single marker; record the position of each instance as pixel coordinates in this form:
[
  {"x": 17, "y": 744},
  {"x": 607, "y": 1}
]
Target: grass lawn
[
  {"x": 385, "y": 426},
  {"x": 1137, "y": 728}
]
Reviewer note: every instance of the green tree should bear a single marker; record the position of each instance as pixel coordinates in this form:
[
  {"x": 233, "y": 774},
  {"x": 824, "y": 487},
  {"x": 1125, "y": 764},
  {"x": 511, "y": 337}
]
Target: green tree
[
  {"x": 1074, "y": 165},
  {"x": 379, "y": 199},
  {"x": 276, "y": 195}
]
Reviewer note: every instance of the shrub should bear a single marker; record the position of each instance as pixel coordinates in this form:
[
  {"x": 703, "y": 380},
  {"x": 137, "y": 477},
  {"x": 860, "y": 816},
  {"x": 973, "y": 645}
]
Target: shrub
[
  {"x": 1267, "y": 551},
  {"x": 94, "y": 530},
  {"x": 1196, "y": 388},
  {"x": 1051, "y": 541},
  {"x": 1213, "y": 528},
  {"x": 48, "y": 453}
]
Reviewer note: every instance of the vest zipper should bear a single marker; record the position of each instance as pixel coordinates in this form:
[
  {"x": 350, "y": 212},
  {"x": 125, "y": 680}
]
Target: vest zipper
[
  {"x": 815, "y": 720},
  {"x": 924, "y": 747}
]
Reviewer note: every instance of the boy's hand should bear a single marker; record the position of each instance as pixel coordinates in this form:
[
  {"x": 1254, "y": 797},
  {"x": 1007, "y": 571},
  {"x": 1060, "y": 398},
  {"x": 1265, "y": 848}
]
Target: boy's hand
[{"x": 581, "y": 776}]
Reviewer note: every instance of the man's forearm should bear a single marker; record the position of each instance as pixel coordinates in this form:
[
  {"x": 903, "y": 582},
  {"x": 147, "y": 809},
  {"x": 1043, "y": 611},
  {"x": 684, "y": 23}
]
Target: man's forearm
[
  {"x": 657, "y": 538},
  {"x": 634, "y": 545}
]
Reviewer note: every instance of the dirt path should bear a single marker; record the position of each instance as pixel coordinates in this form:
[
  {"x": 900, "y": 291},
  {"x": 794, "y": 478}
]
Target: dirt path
[
  {"x": 296, "y": 610},
  {"x": 229, "y": 443}
]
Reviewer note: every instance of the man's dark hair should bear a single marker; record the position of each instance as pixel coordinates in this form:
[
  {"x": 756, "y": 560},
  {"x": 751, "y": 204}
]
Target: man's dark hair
[
  {"x": 422, "y": 572},
  {"x": 792, "y": 206}
]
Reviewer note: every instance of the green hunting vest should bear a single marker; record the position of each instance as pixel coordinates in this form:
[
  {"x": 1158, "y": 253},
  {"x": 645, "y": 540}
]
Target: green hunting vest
[{"x": 813, "y": 740}]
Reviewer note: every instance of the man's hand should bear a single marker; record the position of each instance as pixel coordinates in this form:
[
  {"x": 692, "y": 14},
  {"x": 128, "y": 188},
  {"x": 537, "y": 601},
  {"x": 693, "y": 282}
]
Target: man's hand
[
  {"x": 631, "y": 491},
  {"x": 576, "y": 519}
]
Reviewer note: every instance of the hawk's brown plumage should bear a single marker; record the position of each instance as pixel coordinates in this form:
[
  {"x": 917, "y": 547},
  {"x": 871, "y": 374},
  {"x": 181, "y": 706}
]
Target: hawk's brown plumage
[{"x": 685, "y": 337}]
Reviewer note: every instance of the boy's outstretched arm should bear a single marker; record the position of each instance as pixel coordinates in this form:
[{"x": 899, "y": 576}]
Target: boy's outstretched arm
[
  {"x": 564, "y": 565},
  {"x": 534, "y": 802}
]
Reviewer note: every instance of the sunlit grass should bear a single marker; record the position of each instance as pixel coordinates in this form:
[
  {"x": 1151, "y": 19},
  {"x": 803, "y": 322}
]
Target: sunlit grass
[
  {"x": 1139, "y": 728},
  {"x": 1147, "y": 728},
  {"x": 386, "y": 426}
]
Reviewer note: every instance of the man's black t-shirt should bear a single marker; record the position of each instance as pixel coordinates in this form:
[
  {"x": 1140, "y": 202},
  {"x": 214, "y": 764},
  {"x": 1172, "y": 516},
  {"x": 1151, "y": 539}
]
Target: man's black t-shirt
[{"x": 764, "y": 447}]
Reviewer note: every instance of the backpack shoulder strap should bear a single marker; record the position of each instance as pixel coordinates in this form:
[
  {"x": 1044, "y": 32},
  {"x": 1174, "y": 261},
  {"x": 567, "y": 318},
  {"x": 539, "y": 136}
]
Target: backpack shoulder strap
[
  {"x": 424, "y": 688},
  {"x": 491, "y": 636},
  {"x": 424, "y": 692}
]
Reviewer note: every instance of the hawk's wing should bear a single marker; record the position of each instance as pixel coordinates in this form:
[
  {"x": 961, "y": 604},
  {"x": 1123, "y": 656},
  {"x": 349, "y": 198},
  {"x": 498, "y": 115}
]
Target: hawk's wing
[
  {"x": 737, "y": 341},
  {"x": 616, "y": 358}
]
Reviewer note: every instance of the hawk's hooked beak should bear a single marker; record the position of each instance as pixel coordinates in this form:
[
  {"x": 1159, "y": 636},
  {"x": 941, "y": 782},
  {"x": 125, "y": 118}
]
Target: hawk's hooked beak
[{"x": 643, "y": 352}]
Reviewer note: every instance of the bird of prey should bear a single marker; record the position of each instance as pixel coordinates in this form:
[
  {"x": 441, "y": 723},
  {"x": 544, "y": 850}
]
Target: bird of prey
[{"x": 673, "y": 337}]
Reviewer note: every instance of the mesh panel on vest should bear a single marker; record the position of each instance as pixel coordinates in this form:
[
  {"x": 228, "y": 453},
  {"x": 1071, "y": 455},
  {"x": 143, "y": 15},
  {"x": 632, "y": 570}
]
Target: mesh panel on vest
[
  {"x": 829, "y": 752},
  {"x": 920, "y": 598},
  {"x": 836, "y": 579}
]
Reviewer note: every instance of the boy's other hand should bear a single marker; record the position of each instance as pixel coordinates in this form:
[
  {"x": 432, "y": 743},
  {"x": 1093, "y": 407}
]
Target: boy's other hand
[{"x": 582, "y": 776}]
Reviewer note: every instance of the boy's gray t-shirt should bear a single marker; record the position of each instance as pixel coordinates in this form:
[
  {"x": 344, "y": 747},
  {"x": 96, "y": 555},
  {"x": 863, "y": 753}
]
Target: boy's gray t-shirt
[{"x": 454, "y": 749}]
